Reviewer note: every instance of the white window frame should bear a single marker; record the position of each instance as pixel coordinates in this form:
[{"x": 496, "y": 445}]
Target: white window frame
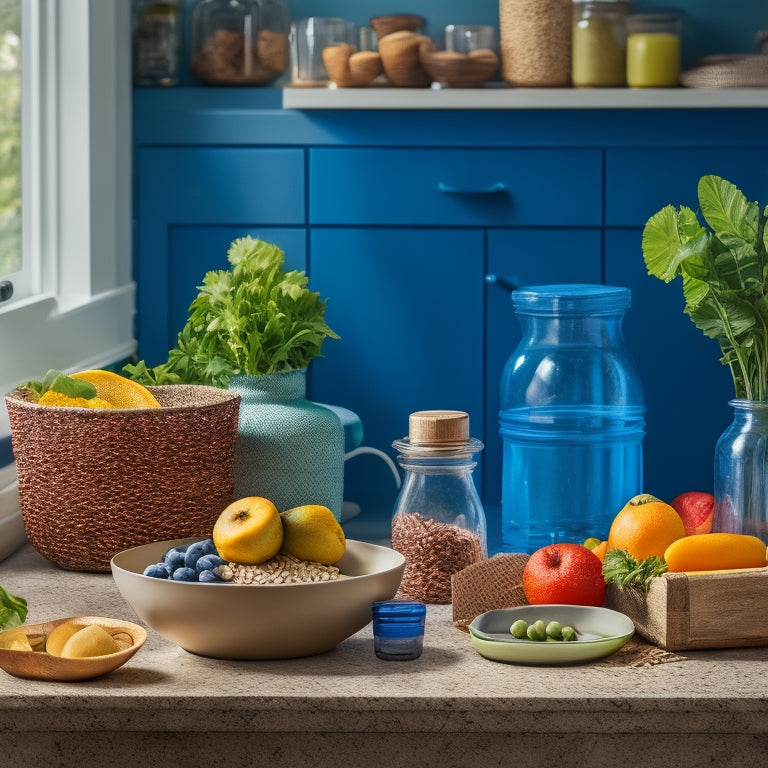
[{"x": 77, "y": 197}]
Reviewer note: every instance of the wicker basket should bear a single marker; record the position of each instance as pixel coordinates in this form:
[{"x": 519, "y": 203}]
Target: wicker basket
[{"x": 93, "y": 482}]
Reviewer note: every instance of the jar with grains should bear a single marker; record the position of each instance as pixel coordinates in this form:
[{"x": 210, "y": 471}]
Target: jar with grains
[
  {"x": 536, "y": 42},
  {"x": 599, "y": 43},
  {"x": 239, "y": 42},
  {"x": 438, "y": 523}
]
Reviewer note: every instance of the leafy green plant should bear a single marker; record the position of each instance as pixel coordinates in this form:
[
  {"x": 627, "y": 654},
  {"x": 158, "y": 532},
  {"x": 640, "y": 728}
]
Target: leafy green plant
[
  {"x": 13, "y": 610},
  {"x": 724, "y": 268},
  {"x": 624, "y": 570},
  {"x": 253, "y": 318}
]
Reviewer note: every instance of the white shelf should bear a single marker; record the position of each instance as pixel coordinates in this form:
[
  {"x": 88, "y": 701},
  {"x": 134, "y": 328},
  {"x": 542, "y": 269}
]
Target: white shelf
[{"x": 524, "y": 98}]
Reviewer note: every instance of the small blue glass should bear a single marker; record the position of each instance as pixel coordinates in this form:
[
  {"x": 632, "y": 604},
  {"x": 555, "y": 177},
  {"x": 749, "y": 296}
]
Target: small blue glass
[{"x": 398, "y": 629}]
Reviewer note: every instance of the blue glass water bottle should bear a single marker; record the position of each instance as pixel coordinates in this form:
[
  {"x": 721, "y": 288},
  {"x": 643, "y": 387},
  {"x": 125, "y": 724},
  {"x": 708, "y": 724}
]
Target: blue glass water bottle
[{"x": 572, "y": 417}]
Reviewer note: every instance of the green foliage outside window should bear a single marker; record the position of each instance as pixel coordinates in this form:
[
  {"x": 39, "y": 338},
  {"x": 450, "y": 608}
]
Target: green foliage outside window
[{"x": 10, "y": 136}]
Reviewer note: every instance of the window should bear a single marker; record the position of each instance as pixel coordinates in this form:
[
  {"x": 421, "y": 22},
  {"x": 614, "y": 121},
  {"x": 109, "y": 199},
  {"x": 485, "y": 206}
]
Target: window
[
  {"x": 76, "y": 310},
  {"x": 10, "y": 137}
]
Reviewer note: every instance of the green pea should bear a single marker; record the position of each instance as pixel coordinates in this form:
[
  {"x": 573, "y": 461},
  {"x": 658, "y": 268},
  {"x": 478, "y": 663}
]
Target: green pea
[
  {"x": 568, "y": 633},
  {"x": 519, "y": 629},
  {"x": 555, "y": 630},
  {"x": 537, "y": 631}
]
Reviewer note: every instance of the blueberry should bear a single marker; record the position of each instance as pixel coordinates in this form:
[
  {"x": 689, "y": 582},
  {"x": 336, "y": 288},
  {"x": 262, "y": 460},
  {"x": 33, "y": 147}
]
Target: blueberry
[
  {"x": 173, "y": 558},
  {"x": 197, "y": 550},
  {"x": 208, "y": 563},
  {"x": 184, "y": 574},
  {"x": 207, "y": 576},
  {"x": 157, "y": 571}
]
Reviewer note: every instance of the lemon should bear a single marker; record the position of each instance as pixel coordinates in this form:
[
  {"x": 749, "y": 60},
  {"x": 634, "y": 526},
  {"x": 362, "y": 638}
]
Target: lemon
[
  {"x": 118, "y": 390},
  {"x": 91, "y": 640},
  {"x": 248, "y": 531},
  {"x": 58, "y": 637},
  {"x": 16, "y": 641},
  {"x": 311, "y": 532}
]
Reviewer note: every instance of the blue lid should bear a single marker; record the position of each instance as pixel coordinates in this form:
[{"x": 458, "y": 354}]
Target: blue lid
[
  {"x": 398, "y": 610},
  {"x": 571, "y": 299}
]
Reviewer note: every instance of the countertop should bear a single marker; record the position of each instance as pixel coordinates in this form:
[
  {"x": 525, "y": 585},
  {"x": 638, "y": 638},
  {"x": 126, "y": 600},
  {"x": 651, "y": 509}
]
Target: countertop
[{"x": 451, "y": 707}]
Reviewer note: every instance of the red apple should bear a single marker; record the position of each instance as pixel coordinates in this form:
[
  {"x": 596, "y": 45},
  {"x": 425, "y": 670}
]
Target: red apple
[
  {"x": 695, "y": 508},
  {"x": 564, "y": 573}
]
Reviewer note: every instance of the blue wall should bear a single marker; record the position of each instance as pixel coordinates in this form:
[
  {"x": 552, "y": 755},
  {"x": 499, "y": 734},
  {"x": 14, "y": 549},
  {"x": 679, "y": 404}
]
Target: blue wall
[{"x": 711, "y": 26}]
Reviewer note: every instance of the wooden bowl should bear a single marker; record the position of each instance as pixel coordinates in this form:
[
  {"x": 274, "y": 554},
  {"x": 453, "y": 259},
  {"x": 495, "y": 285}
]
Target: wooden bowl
[
  {"x": 460, "y": 70},
  {"x": 401, "y": 54},
  {"x": 350, "y": 68},
  {"x": 397, "y": 22},
  {"x": 39, "y": 665}
]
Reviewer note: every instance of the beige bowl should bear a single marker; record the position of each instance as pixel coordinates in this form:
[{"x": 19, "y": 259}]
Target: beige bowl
[
  {"x": 38, "y": 665},
  {"x": 266, "y": 621}
]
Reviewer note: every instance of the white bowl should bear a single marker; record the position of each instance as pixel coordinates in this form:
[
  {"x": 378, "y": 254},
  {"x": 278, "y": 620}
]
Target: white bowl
[{"x": 267, "y": 621}]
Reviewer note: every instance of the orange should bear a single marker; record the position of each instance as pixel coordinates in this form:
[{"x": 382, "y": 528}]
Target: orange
[
  {"x": 645, "y": 527},
  {"x": 564, "y": 573},
  {"x": 118, "y": 390}
]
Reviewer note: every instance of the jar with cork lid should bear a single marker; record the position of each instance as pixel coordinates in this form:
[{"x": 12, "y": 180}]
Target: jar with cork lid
[{"x": 438, "y": 523}]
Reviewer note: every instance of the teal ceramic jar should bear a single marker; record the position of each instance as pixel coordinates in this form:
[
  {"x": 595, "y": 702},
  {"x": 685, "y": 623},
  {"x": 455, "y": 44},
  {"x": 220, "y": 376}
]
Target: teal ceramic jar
[{"x": 289, "y": 450}]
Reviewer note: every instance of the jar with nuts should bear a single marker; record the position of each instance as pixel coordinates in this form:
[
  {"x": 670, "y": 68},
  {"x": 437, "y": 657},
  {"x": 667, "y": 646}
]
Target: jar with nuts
[{"x": 239, "y": 42}]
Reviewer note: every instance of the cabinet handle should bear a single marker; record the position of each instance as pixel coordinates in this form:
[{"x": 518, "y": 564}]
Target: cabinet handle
[
  {"x": 492, "y": 189},
  {"x": 503, "y": 282}
]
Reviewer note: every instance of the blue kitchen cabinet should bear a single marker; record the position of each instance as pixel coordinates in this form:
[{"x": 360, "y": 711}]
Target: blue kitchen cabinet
[
  {"x": 408, "y": 306},
  {"x": 191, "y": 203}
]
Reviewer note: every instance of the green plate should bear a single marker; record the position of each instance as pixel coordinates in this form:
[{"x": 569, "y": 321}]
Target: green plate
[{"x": 599, "y": 632}]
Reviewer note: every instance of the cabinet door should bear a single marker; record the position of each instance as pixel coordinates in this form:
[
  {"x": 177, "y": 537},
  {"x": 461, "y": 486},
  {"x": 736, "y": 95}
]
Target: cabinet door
[
  {"x": 408, "y": 305},
  {"x": 191, "y": 202},
  {"x": 522, "y": 258},
  {"x": 686, "y": 388}
]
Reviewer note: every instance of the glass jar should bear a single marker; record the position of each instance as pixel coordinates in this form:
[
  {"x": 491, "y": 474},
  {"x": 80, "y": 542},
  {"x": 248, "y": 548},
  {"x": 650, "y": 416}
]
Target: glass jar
[
  {"x": 156, "y": 43},
  {"x": 438, "y": 523},
  {"x": 239, "y": 42},
  {"x": 741, "y": 472},
  {"x": 572, "y": 418},
  {"x": 653, "y": 50},
  {"x": 398, "y": 629},
  {"x": 599, "y": 43}
]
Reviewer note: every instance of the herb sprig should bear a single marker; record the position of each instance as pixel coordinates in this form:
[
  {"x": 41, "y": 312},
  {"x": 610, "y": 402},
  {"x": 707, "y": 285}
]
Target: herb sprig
[
  {"x": 725, "y": 275},
  {"x": 253, "y": 318},
  {"x": 623, "y": 570}
]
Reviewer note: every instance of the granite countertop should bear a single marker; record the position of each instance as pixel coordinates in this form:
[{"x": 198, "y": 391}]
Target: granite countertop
[{"x": 449, "y": 707}]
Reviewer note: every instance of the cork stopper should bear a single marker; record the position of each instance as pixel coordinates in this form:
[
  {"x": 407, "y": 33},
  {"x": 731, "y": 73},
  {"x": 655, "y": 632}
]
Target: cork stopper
[{"x": 438, "y": 427}]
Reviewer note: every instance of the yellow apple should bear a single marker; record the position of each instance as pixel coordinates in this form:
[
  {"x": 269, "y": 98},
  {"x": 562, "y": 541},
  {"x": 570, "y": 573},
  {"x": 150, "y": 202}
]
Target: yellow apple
[
  {"x": 248, "y": 531},
  {"x": 311, "y": 532}
]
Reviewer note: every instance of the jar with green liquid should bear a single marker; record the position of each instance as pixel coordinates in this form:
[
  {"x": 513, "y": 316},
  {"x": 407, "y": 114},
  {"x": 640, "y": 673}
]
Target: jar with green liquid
[
  {"x": 653, "y": 50},
  {"x": 599, "y": 43}
]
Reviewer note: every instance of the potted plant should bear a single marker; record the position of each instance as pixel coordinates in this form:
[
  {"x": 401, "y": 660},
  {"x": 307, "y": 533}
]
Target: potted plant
[
  {"x": 724, "y": 268},
  {"x": 254, "y": 328}
]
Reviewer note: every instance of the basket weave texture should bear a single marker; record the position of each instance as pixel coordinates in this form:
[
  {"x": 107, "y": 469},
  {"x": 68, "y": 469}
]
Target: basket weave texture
[{"x": 94, "y": 482}]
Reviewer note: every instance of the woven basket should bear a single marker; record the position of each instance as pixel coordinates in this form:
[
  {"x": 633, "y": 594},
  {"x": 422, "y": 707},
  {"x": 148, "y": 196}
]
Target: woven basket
[{"x": 94, "y": 482}]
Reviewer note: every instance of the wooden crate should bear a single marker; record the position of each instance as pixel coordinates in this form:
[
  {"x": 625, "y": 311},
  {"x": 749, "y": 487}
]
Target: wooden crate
[{"x": 707, "y": 610}]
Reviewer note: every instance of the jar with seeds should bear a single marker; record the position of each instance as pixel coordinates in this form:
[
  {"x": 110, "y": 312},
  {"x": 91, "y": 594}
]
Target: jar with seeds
[{"x": 438, "y": 523}]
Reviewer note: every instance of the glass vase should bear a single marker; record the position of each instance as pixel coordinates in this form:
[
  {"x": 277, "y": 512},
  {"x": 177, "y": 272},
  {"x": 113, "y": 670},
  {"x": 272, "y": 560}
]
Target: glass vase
[{"x": 741, "y": 471}]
